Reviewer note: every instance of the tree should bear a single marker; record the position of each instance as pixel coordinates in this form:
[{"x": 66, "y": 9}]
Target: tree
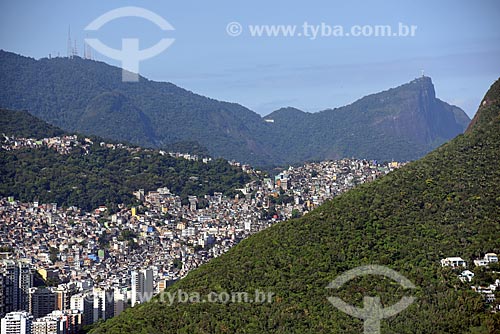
[
  {"x": 54, "y": 254},
  {"x": 296, "y": 213}
]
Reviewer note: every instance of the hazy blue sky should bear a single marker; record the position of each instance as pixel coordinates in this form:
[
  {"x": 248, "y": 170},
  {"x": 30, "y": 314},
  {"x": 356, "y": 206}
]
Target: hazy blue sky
[{"x": 457, "y": 43}]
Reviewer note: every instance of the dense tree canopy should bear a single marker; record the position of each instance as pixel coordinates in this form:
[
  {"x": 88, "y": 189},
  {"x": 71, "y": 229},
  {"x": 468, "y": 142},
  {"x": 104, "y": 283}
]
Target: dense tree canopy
[
  {"x": 104, "y": 176},
  {"x": 108, "y": 177}
]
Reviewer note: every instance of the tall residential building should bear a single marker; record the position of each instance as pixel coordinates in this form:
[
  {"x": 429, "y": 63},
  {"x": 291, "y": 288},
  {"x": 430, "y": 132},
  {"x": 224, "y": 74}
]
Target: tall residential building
[
  {"x": 104, "y": 304},
  {"x": 120, "y": 300},
  {"x": 142, "y": 286},
  {"x": 16, "y": 323},
  {"x": 2, "y": 295},
  {"x": 84, "y": 303},
  {"x": 58, "y": 322},
  {"x": 17, "y": 280},
  {"x": 42, "y": 301},
  {"x": 45, "y": 326},
  {"x": 25, "y": 283},
  {"x": 54, "y": 323},
  {"x": 63, "y": 296},
  {"x": 10, "y": 284},
  {"x": 71, "y": 320}
]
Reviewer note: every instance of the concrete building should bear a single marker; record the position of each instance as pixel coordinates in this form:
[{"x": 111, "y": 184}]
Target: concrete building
[
  {"x": 16, "y": 323},
  {"x": 54, "y": 323},
  {"x": 193, "y": 201},
  {"x": 45, "y": 326},
  {"x": 466, "y": 276},
  {"x": 10, "y": 284},
  {"x": 83, "y": 303},
  {"x": 488, "y": 258},
  {"x": 17, "y": 280},
  {"x": 491, "y": 257},
  {"x": 42, "y": 301},
  {"x": 73, "y": 322},
  {"x": 453, "y": 262},
  {"x": 2, "y": 297},
  {"x": 120, "y": 300},
  {"x": 142, "y": 286},
  {"x": 25, "y": 283},
  {"x": 61, "y": 322},
  {"x": 62, "y": 299},
  {"x": 104, "y": 304}
]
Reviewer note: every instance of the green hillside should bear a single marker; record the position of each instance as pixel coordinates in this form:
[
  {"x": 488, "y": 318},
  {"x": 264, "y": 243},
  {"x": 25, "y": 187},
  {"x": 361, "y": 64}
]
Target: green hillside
[
  {"x": 103, "y": 176},
  {"x": 446, "y": 204},
  {"x": 23, "y": 124}
]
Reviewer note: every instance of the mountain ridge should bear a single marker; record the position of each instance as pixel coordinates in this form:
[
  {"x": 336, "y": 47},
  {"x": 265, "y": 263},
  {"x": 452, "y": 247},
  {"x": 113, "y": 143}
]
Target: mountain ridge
[{"x": 157, "y": 114}]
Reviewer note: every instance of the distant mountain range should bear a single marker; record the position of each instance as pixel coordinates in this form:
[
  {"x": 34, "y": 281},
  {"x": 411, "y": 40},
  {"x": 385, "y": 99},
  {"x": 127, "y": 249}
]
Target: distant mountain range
[
  {"x": 446, "y": 204},
  {"x": 81, "y": 95},
  {"x": 402, "y": 123}
]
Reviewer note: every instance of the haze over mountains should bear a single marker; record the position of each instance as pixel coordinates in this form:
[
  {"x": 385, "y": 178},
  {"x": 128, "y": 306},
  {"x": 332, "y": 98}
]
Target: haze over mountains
[{"x": 402, "y": 123}]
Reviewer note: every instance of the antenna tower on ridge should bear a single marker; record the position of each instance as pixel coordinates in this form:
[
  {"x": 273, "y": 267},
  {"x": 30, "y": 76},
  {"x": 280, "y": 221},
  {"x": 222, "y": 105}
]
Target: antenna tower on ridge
[{"x": 69, "y": 48}]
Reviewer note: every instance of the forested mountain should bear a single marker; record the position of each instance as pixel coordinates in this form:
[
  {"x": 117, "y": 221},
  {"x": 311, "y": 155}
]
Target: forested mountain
[
  {"x": 23, "y": 124},
  {"x": 97, "y": 175},
  {"x": 446, "y": 204},
  {"x": 87, "y": 96},
  {"x": 401, "y": 123}
]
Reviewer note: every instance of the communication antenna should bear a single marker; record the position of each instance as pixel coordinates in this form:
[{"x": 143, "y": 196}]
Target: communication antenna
[
  {"x": 422, "y": 71},
  {"x": 75, "y": 50},
  {"x": 87, "y": 51},
  {"x": 69, "y": 48}
]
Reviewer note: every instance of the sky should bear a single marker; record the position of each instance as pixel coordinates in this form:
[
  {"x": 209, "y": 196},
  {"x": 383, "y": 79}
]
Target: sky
[{"x": 455, "y": 42}]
